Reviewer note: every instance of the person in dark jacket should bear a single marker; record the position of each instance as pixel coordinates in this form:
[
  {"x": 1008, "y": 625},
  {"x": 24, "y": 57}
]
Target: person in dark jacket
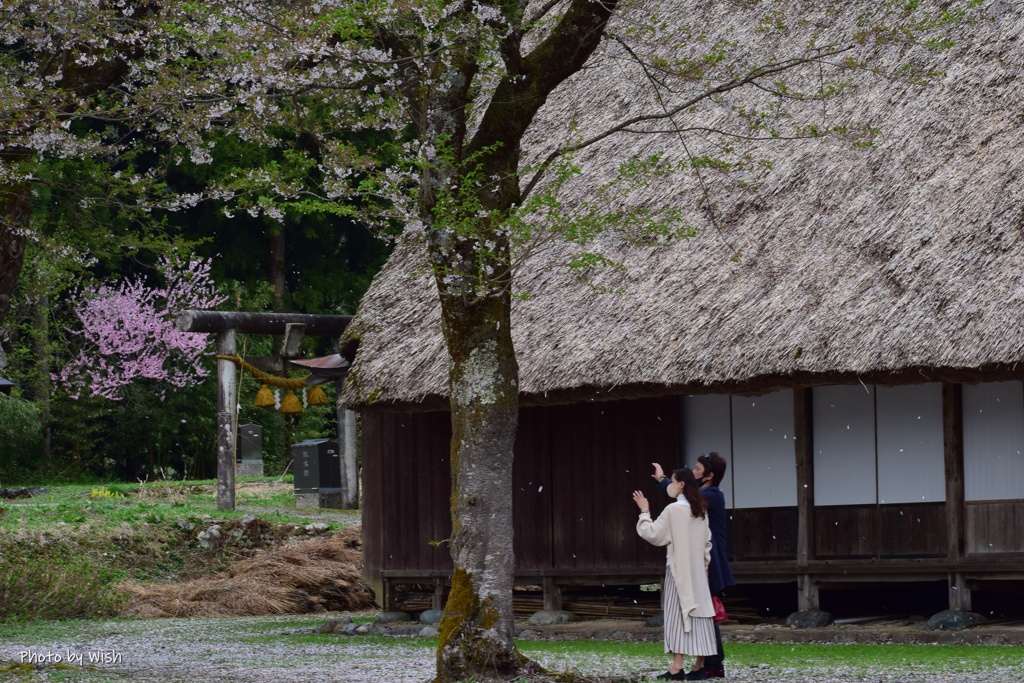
[{"x": 710, "y": 471}]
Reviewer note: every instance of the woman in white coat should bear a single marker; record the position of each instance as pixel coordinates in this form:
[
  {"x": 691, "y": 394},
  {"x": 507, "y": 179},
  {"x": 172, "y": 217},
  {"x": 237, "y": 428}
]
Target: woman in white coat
[{"x": 686, "y": 599}]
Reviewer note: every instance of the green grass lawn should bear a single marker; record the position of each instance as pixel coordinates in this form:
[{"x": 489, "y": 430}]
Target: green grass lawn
[{"x": 91, "y": 508}]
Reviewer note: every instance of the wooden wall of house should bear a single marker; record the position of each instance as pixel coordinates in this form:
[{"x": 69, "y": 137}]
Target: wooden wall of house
[
  {"x": 406, "y": 485},
  {"x": 879, "y": 476},
  {"x": 993, "y": 527},
  {"x": 601, "y": 453},
  {"x": 756, "y": 437},
  {"x": 757, "y": 534},
  {"x": 879, "y": 479},
  {"x": 993, "y": 416},
  {"x": 879, "y": 531},
  {"x": 575, "y": 470}
]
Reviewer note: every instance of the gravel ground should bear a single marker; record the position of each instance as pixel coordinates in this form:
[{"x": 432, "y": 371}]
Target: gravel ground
[{"x": 281, "y": 650}]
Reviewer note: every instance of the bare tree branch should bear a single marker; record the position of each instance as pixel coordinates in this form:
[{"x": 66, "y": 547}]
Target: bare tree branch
[{"x": 749, "y": 79}]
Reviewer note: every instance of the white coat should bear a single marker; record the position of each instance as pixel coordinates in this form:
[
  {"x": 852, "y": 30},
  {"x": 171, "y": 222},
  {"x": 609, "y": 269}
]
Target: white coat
[{"x": 689, "y": 552}]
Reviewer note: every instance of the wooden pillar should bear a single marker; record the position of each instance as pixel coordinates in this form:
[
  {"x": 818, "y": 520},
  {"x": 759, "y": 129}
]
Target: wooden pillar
[
  {"x": 351, "y": 463},
  {"x": 953, "y": 450},
  {"x": 807, "y": 593},
  {"x": 552, "y": 594},
  {"x": 803, "y": 429},
  {"x": 437, "y": 601},
  {"x": 347, "y": 446},
  {"x": 959, "y": 593},
  {"x": 227, "y": 416}
]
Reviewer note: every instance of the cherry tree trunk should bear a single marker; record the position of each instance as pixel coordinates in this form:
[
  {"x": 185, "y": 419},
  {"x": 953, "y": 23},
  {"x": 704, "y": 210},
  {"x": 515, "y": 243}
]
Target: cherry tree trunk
[{"x": 477, "y": 631}]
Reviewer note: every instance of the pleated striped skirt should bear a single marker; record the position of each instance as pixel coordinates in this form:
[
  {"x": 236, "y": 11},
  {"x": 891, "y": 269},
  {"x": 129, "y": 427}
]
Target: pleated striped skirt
[{"x": 700, "y": 640}]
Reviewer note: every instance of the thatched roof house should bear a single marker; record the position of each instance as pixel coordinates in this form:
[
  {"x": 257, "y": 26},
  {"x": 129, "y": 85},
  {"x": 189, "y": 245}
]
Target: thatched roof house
[
  {"x": 857, "y": 263},
  {"x": 870, "y": 268}
]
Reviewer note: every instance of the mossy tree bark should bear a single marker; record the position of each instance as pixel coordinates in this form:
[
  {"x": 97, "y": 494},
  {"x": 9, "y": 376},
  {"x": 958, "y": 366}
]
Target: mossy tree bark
[
  {"x": 465, "y": 188},
  {"x": 477, "y": 629}
]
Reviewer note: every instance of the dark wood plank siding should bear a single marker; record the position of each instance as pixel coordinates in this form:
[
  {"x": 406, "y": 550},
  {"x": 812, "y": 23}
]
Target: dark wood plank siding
[
  {"x": 763, "y": 533},
  {"x": 575, "y": 469},
  {"x": 845, "y": 531},
  {"x": 407, "y": 484},
  {"x": 534, "y": 491},
  {"x": 373, "y": 454},
  {"x": 995, "y": 526},
  {"x": 912, "y": 530},
  {"x": 889, "y": 531},
  {"x": 600, "y": 453}
]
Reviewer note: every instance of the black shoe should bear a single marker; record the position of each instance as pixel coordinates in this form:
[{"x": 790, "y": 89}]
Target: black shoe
[
  {"x": 714, "y": 673},
  {"x": 677, "y": 676},
  {"x": 696, "y": 675}
]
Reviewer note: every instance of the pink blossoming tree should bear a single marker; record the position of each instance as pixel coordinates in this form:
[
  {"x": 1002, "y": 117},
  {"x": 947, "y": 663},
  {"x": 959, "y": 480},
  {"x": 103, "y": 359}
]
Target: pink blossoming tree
[{"x": 128, "y": 333}]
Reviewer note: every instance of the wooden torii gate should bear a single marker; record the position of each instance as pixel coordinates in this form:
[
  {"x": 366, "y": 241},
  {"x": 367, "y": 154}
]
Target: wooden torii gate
[{"x": 226, "y": 325}]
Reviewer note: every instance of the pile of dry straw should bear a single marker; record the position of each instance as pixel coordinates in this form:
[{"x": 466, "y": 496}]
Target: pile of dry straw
[{"x": 315, "y": 575}]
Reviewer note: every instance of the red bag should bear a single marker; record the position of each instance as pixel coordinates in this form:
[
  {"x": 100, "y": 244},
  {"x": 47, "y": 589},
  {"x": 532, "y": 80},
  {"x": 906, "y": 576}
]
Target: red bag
[{"x": 720, "y": 614}]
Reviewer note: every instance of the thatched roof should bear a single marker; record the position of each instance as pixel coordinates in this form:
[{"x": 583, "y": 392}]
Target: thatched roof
[{"x": 902, "y": 263}]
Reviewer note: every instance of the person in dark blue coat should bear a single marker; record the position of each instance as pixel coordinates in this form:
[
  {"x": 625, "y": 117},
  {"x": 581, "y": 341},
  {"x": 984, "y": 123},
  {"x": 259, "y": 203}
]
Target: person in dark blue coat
[{"x": 710, "y": 471}]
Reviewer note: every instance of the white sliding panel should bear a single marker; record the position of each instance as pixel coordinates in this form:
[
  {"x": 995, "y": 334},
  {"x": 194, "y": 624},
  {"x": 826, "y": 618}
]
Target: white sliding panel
[
  {"x": 994, "y": 441},
  {"x": 844, "y": 445},
  {"x": 763, "y": 450},
  {"x": 911, "y": 466},
  {"x": 706, "y": 428}
]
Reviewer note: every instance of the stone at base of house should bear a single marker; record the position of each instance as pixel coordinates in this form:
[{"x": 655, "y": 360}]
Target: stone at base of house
[
  {"x": 392, "y": 617},
  {"x": 657, "y": 621},
  {"x": 551, "y": 617},
  {"x": 954, "y": 620},
  {"x": 431, "y": 616},
  {"x": 810, "y": 618},
  {"x": 249, "y": 468}
]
